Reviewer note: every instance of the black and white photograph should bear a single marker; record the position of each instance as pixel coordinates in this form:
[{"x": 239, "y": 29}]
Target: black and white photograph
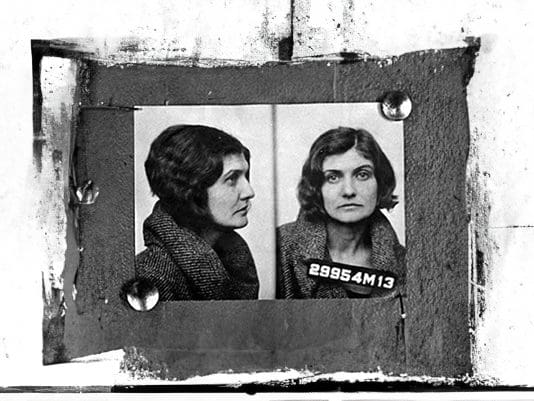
[
  {"x": 279, "y": 215},
  {"x": 340, "y": 200},
  {"x": 209, "y": 229},
  {"x": 217, "y": 188}
]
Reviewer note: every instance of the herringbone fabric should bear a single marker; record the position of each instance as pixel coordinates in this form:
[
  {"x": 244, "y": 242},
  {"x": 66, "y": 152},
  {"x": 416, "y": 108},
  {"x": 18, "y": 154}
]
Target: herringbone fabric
[
  {"x": 185, "y": 267},
  {"x": 305, "y": 239}
]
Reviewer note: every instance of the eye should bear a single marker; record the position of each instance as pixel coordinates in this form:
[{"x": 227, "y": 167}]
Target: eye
[
  {"x": 232, "y": 180},
  {"x": 364, "y": 175},
  {"x": 332, "y": 178}
]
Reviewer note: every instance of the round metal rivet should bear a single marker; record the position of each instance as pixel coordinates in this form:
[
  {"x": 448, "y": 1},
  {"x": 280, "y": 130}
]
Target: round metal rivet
[
  {"x": 141, "y": 294},
  {"x": 396, "y": 106},
  {"x": 87, "y": 193}
]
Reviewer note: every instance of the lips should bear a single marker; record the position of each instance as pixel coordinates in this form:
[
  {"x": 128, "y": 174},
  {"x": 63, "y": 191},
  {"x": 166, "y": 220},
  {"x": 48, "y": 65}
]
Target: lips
[
  {"x": 244, "y": 209},
  {"x": 350, "y": 206}
]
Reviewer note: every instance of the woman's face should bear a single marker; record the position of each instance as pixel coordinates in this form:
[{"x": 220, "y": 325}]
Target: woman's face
[
  {"x": 350, "y": 187},
  {"x": 229, "y": 198}
]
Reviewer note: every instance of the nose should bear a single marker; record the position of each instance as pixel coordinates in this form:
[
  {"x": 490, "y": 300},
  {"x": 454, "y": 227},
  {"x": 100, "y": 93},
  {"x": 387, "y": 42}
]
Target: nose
[
  {"x": 348, "y": 188},
  {"x": 246, "y": 191}
]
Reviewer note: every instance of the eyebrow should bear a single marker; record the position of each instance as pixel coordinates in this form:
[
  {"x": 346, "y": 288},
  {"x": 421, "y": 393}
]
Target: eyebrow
[
  {"x": 363, "y": 166},
  {"x": 234, "y": 171}
]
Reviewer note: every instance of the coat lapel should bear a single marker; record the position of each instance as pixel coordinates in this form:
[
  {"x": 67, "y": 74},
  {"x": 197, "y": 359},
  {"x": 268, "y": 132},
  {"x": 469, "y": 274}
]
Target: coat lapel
[
  {"x": 198, "y": 261},
  {"x": 311, "y": 242}
]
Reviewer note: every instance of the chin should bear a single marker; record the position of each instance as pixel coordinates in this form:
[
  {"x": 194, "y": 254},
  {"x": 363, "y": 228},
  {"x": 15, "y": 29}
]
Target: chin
[
  {"x": 239, "y": 224},
  {"x": 243, "y": 224},
  {"x": 231, "y": 224},
  {"x": 350, "y": 219}
]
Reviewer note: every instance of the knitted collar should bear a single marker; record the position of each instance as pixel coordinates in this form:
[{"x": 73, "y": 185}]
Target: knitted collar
[
  {"x": 226, "y": 271},
  {"x": 311, "y": 243}
]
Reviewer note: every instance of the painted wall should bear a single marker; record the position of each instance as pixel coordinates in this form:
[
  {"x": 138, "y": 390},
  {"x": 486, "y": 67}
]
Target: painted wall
[{"x": 499, "y": 100}]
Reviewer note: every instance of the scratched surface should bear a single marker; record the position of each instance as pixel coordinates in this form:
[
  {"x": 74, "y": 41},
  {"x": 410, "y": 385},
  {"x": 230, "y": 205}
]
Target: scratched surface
[{"x": 351, "y": 335}]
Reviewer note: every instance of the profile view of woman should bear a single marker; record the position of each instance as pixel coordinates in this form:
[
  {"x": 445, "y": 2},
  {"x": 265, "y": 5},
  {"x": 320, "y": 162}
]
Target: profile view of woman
[
  {"x": 200, "y": 175},
  {"x": 345, "y": 181}
]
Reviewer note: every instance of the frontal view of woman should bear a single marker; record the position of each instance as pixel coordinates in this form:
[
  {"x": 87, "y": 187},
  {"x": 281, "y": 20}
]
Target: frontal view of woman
[
  {"x": 200, "y": 175},
  {"x": 345, "y": 181}
]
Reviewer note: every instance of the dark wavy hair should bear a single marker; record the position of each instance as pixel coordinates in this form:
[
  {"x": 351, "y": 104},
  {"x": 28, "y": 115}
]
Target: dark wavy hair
[
  {"x": 337, "y": 141},
  {"x": 183, "y": 162}
]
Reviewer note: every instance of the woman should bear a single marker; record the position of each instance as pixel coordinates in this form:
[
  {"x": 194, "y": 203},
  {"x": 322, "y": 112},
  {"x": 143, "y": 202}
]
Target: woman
[
  {"x": 200, "y": 175},
  {"x": 345, "y": 181}
]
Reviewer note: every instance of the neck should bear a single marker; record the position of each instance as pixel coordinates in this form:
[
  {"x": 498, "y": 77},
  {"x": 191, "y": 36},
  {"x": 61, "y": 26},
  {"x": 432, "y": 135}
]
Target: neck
[
  {"x": 210, "y": 235},
  {"x": 346, "y": 238}
]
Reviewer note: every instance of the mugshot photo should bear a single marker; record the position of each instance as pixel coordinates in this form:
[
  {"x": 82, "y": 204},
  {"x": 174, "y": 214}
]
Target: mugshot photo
[{"x": 254, "y": 202}]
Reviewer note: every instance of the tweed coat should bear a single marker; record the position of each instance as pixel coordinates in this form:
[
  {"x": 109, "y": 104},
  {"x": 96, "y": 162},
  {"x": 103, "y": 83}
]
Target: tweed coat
[
  {"x": 183, "y": 266},
  {"x": 307, "y": 239}
]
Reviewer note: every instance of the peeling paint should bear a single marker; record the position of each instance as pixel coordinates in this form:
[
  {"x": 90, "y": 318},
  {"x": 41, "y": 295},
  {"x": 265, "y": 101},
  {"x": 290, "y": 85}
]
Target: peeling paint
[
  {"x": 174, "y": 35},
  {"x": 58, "y": 85},
  {"x": 80, "y": 48},
  {"x": 139, "y": 367}
]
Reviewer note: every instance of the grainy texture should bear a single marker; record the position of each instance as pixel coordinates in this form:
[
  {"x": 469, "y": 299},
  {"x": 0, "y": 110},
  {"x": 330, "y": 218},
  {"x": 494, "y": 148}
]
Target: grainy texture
[
  {"x": 106, "y": 237},
  {"x": 269, "y": 335},
  {"x": 105, "y": 156},
  {"x": 160, "y": 85},
  {"x": 328, "y": 336}
]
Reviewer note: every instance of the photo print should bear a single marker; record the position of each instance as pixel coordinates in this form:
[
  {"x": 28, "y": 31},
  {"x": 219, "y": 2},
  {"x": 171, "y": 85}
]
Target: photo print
[
  {"x": 224, "y": 209},
  {"x": 340, "y": 201},
  {"x": 240, "y": 263}
]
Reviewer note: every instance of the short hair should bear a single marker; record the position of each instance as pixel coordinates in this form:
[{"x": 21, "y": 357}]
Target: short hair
[
  {"x": 183, "y": 162},
  {"x": 337, "y": 141}
]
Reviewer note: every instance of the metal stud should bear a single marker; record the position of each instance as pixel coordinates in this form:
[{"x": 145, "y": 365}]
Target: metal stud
[
  {"x": 87, "y": 193},
  {"x": 141, "y": 294},
  {"x": 396, "y": 106}
]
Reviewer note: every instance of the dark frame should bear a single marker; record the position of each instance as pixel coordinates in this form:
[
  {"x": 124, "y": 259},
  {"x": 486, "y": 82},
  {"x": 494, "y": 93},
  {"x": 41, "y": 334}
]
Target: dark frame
[{"x": 321, "y": 335}]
